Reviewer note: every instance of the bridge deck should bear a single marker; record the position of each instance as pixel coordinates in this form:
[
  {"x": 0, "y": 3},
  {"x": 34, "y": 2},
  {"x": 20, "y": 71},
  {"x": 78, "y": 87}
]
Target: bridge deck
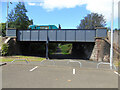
[{"x": 59, "y": 35}]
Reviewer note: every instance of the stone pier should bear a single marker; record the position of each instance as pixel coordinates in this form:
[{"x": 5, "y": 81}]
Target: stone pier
[{"x": 101, "y": 50}]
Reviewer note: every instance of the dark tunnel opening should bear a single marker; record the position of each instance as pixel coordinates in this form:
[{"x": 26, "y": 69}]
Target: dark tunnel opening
[{"x": 81, "y": 50}]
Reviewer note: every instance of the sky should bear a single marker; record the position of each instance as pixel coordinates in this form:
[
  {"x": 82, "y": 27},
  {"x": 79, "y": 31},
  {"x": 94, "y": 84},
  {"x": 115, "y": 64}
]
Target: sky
[{"x": 68, "y": 13}]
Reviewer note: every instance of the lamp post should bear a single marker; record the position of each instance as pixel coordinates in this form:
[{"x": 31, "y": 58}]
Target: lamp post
[
  {"x": 111, "y": 48},
  {"x": 7, "y": 15}
]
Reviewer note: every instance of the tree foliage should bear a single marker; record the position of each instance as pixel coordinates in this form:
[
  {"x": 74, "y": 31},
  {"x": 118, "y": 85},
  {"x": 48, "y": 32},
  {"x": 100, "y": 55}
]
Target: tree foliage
[
  {"x": 91, "y": 21},
  {"x": 5, "y": 48},
  {"x": 11, "y": 19},
  {"x": 18, "y": 18},
  {"x": 2, "y": 29}
]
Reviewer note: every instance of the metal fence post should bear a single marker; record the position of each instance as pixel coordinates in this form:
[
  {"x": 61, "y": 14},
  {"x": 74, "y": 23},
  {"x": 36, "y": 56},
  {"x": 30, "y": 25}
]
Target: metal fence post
[{"x": 47, "y": 46}]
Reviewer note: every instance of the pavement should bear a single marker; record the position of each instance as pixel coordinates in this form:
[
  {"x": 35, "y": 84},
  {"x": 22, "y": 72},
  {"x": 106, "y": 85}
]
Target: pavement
[{"x": 58, "y": 74}]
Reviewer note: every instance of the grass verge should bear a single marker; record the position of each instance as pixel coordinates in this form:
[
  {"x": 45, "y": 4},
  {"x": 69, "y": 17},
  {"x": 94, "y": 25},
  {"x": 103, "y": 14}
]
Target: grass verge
[
  {"x": 29, "y": 58},
  {"x": 119, "y": 67}
]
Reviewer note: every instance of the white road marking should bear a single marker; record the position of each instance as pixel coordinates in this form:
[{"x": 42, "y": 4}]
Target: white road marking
[
  {"x": 73, "y": 71},
  {"x": 33, "y": 68},
  {"x": 116, "y": 73}
]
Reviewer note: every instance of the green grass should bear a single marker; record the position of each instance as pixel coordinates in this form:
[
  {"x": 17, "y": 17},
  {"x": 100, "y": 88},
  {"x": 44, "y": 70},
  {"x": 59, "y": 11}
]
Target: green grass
[
  {"x": 66, "y": 48},
  {"x": 119, "y": 67},
  {"x": 29, "y": 58},
  {"x": 117, "y": 64}
]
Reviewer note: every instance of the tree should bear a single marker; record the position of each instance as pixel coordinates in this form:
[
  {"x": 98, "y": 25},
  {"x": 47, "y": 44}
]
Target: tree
[
  {"x": 18, "y": 18},
  {"x": 0, "y": 29},
  {"x": 91, "y": 21},
  {"x": 5, "y": 48},
  {"x": 3, "y": 29},
  {"x": 11, "y": 19}
]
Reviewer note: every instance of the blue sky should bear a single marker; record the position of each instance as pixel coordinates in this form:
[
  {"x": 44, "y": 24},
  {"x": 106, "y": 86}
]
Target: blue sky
[{"x": 68, "y": 15}]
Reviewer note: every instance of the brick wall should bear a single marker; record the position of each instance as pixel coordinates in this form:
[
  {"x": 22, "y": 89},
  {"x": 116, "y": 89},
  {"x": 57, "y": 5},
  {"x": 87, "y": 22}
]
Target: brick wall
[
  {"x": 116, "y": 43},
  {"x": 116, "y": 36}
]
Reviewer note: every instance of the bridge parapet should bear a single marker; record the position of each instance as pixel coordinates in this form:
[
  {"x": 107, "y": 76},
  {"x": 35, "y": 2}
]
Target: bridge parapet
[
  {"x": 11, "y": 33},
  {"x": 101, "y": 32}
]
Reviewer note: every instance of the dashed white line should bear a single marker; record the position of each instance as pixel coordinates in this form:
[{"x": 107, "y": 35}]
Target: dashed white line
[
  {"x": 33, "y": 68},
  {"x": 73, "y": 71},
  {"x": 117, "y": 73}
]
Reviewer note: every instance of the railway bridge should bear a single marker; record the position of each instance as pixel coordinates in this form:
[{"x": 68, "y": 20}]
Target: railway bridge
[{"x": 57, "y": 35}]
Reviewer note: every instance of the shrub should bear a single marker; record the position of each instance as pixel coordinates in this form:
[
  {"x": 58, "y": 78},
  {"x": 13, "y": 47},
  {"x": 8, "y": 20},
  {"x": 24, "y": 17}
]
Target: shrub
[
  {"x": 5, "y": 48},
  {"x": 66, "y": 48},
  {"x": 53, "y": 47}
]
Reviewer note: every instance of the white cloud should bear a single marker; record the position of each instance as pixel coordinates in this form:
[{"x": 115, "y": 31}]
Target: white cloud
[
  {"x": 21, "y": 0},
  {"x": 52, "y": 4},
  {"x": 32, "y": 4},
  {"x": 103, "y": 7},
  {"x": 97, "y": 6}
]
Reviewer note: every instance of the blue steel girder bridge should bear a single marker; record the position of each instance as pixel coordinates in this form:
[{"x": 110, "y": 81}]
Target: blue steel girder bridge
[{"x": 57, "y": 35}]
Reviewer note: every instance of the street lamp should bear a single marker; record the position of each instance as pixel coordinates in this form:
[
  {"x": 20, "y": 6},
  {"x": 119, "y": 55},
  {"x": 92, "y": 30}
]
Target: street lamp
[
  {"x": 111, "y": 48},
  {"x": 7, "y": 14}
]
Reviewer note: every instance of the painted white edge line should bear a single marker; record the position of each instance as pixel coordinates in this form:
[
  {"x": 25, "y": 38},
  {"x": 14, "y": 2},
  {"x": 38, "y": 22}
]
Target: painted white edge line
[
  {"x": 33, "y": 68},
  {"x": 117, "y": 73},
  {"x": 73, "y": 71}
]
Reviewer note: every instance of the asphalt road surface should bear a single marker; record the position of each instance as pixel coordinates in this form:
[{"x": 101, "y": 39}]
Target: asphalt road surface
[{"x": 58, "y": 75}]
